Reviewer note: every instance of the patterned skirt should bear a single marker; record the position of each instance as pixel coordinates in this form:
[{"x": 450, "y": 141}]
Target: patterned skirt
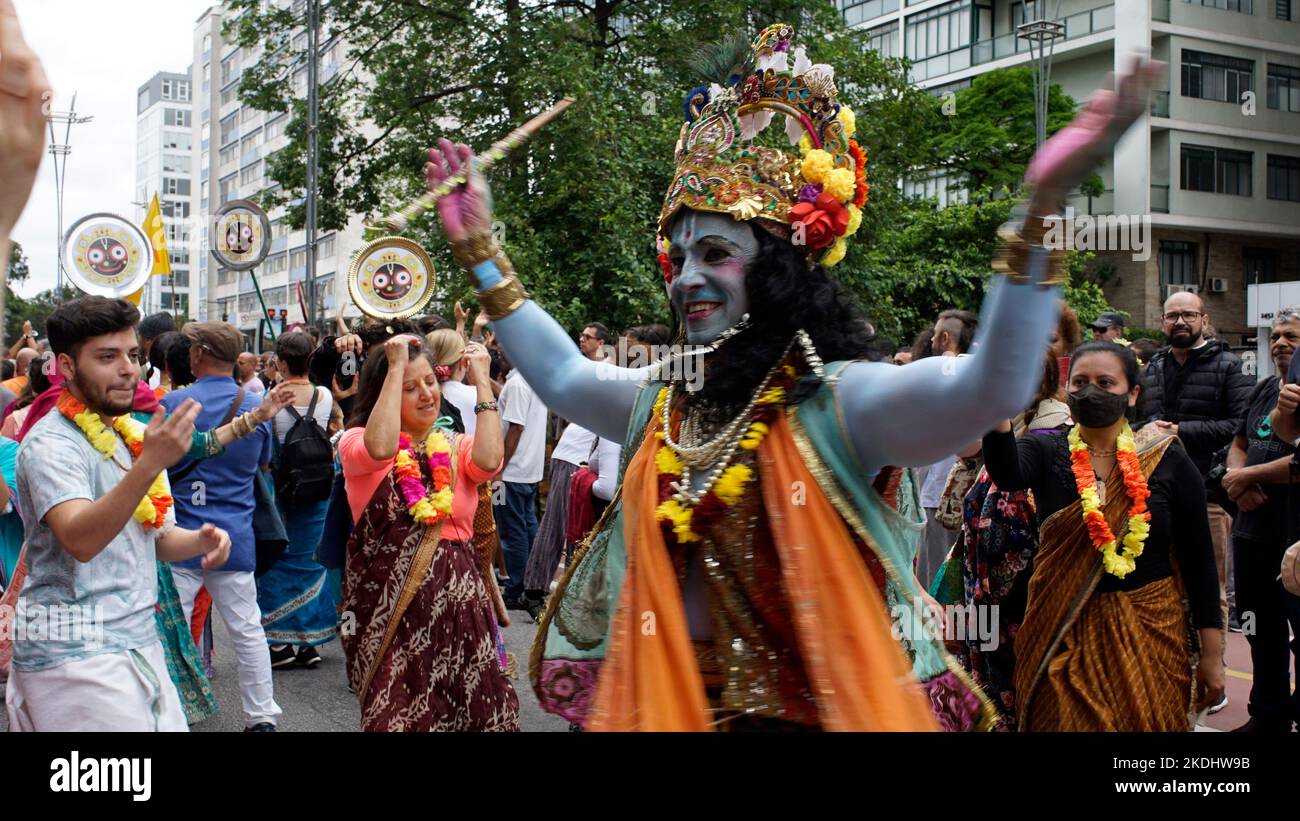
[{"x": 442, "y": 669}]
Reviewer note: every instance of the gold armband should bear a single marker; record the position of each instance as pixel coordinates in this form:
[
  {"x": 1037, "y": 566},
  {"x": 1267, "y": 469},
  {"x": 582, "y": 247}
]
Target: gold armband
[
  {"x": 504, "y": 298},
  {"x": 473, "y": 249},
  {"x": 1014, "y": 246}
]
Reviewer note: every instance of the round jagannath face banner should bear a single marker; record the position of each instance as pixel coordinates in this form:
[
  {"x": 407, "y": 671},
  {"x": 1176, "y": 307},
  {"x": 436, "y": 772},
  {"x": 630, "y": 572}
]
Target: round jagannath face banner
[
  {"x": 390, "y": 278},
  {"x": 240, "y": 234},
  {"x": 107, "y": 255}
]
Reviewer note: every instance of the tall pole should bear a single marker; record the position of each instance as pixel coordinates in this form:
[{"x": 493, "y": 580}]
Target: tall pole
[
  {"x": 313, "y": 153},
  {"x": 1041, "y": 35},
  {"x": 60, "y": 152}
]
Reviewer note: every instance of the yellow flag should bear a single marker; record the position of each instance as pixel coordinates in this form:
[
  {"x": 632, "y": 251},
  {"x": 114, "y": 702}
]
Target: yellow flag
[
  {"x": 162, "y": 260},
  {"x": 153, "y": 226}
]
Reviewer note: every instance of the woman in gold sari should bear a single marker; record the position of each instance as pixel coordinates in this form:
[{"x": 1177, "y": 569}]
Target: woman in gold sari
[{"x": 1105, "y": 644}]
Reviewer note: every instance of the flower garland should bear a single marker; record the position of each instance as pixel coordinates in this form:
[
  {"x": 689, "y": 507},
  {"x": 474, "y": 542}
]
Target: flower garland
[
  {"x": 683, "y": 522},
  {"x": 435, "y": 507},
  {"x": 152, "y": 509},
  {"x": 1135, "y": 484}
]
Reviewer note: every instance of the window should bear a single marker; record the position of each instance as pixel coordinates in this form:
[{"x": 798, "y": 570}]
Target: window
[
  {"x": 181, "y": 257},
  {"x": 183, "y": 90},
  {"x": 938, "y": 30},
  {"x": 226, "y": 189},
  {"x": 174, "y": 164},
  {"x": 884, "y": 40},
  {"x": 1215, "y": 77},
  {"x": 250, "y": 142},
  {"x": 230, "y": 129},
  {"x": 176, "y": 234},
  {"x": 1218, "y": 170},
  {"x": 1259, "y": 265},
  {"x": 276, "y": 127},
  {"x": 173, "y": 185},
  {"x": 325, "y": 248},
  {"x": 1284, "y": 10},
  {"x": 1283, "y": 178},
  {"x": 1243, "y": 6},
  {"x": 167, "y": 90},
  {"x": 277, "y": 264},
  {"x": 182, "y": 302},
  {"x": 229, "y": 95},
  {"x": 228, "y": 154},
  {"x": 1177, "y": 262},
  {"x": 181, "y": 279},
  {"x": 1283, "y": 87},
  {"x": 180, "y": 209},
  {"x": 248, "y": 114},
  {"x": 180, "y": 140},
  {"x": 177, "y": 117},
  {"x": 226, "y": 277},
  {"x": 857, "y": 11},
  {"x": 229, "y": 69},
  {"x": 248, "y": 304},
  {"x": 298, "y": 259},
  {"x": 251, "y": 174}
]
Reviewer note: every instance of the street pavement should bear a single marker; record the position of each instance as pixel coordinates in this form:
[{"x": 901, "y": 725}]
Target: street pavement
[{"x": 317, "y": 700}]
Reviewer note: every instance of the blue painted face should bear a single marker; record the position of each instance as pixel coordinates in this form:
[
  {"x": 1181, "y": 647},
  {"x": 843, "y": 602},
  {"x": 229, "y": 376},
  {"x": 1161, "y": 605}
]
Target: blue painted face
[{"x": 710, "y": 254}]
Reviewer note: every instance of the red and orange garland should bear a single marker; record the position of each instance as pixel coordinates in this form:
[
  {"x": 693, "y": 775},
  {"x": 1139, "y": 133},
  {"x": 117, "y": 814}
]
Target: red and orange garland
[
  {"x": 151, "y": 512},
  {"x": 1135, "y": 484}
]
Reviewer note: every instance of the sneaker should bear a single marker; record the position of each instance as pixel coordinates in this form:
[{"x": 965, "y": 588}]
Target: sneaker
[
  {"x": 1223, "y": 702},
  {"x": 514, "y": 603},
  {"x": 282, "y": 656},
  {"x": 308, "y": 657},
  {"x": 262, "y": 727}
]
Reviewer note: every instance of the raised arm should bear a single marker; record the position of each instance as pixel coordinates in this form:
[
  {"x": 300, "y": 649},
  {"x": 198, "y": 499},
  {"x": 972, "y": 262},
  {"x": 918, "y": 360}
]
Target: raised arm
[
  {"x": 919, "y": 413},
  {"x": 596, "y": 395}
]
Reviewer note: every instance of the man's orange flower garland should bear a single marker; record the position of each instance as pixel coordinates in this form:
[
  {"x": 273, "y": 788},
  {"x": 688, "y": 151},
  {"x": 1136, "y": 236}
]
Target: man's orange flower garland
[{"x": 1135, "y": 484}]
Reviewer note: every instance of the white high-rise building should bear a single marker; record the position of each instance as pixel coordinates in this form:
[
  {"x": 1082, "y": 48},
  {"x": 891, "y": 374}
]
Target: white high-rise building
[
  {"x": 164, "y": 166},
  {"x": 232, "y": 145},
  {"x": 1216, "y": 164}
]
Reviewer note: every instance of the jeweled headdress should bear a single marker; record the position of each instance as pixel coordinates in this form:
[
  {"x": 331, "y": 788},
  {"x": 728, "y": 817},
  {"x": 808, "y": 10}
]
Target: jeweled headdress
[{"x": 813, "y": 198}]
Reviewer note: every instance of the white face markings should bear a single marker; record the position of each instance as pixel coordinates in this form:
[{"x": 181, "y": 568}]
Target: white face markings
[{"x": 711, "y": 254}]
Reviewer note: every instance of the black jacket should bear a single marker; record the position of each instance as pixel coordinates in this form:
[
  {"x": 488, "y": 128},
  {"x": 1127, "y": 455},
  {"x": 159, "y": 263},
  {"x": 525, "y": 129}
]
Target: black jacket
[{"x": 1207, "y": 397}]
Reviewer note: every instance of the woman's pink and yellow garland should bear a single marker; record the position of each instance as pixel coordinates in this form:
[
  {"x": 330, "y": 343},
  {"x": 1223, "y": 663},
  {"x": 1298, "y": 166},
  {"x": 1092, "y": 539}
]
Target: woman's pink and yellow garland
[
  {"x": 152, "y": 509},
  {"x": 1135, "y": 484},
  {"x": 435, "y": 507}
]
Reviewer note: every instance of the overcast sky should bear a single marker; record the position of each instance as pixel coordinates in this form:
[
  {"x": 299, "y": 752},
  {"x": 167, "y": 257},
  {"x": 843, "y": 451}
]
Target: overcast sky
[{"x": 103, "y": 50}]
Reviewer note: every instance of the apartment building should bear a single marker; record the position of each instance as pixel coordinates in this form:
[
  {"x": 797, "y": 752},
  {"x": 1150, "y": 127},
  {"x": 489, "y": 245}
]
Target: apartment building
[
  {"x": 164, "y": 166},
  {"x": 1216, "y": 165}
]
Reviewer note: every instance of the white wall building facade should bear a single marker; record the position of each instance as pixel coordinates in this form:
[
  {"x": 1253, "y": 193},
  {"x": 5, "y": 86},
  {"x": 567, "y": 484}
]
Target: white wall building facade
[{"x": 164, "y": 166}]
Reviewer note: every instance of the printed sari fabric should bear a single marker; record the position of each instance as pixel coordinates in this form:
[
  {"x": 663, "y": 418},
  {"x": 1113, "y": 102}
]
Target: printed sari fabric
[
  {"x": 1101, "y": 661},
  {"x": 999, "y": 537},
  {"x": 442, "y": 670},
  {"x": 183, "y": 663},
  {"x": 296, "y": 599}
]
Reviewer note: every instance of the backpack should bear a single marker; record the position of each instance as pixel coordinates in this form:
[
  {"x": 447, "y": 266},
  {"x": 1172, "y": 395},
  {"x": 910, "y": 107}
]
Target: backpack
[{"x": 306, "y": 470}]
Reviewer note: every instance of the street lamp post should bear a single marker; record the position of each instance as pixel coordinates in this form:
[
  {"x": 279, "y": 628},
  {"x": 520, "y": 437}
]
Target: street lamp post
[
  {"x": 60, "y": 152},
  {"x": 1041, "y": 35}
]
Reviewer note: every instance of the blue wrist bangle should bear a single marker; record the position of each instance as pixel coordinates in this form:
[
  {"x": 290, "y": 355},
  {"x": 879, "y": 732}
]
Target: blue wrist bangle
[{"x": 488, "y": 274}]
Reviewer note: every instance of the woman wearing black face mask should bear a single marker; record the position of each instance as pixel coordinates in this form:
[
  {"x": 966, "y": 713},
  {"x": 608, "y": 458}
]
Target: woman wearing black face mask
[{"x": 1103, "y": 645}]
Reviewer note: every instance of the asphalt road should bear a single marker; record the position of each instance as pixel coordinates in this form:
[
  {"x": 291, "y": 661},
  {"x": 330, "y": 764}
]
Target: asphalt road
[{"x": 317, "y": 700}]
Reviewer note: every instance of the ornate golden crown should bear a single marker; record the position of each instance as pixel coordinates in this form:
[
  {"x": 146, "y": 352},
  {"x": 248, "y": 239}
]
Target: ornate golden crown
[{"x": 813, "y": 198}]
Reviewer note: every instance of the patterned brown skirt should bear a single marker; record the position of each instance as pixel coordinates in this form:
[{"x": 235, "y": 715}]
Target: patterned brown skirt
[{"x": 441, "y": 671}]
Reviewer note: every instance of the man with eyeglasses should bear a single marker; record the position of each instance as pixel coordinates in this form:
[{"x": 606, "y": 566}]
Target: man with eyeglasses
[
  {"x": 1194, "y": 389},
  {"x": 592, "y": 341}
]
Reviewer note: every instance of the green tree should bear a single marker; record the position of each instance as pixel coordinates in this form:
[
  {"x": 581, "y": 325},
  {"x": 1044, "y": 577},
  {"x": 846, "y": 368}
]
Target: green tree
[{"x": 579, "y": 205}]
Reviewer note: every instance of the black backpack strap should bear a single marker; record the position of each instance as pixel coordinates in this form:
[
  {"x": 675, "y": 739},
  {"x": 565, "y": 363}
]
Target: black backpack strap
[{"x": 311, "y": 406}]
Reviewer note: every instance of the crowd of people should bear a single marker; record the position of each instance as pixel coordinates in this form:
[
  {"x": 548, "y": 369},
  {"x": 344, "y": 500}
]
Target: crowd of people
[{"x": 742, "y": 547}]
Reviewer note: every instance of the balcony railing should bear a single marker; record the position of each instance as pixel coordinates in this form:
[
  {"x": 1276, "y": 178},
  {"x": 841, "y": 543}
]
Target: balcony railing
[
  {"x": 1080, "y": 24},
  {"x": 1160, "y": 199},
  {"x": 1160, "y": 104}
]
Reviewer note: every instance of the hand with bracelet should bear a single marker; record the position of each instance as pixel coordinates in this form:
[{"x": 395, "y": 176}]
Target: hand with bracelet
[{"x": 215, "y": 441}]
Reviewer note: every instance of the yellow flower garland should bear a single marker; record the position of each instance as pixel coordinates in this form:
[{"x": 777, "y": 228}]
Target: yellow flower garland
[
  {"x": 730, "y": 486},
  {"x": 151, "y": 511}
]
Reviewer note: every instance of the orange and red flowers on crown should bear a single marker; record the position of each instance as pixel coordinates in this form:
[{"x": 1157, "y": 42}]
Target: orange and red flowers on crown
[{"x": 824, "y": 219}]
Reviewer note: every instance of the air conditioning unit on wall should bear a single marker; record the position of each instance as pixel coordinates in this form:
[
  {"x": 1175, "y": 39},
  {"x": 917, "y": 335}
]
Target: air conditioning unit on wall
[
  {"x": 1178, "y": 288},
  {"x": 1217, "y": 285}
]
